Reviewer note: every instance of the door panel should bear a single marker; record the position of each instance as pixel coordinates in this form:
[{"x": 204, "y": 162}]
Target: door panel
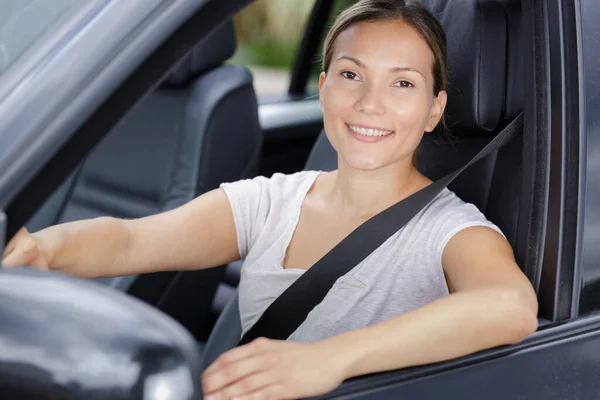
[
  {"x": 565, "y": 370},
  {"x": 560, "y": 362},
  {"x": 290, "y": 130},
  {"x": 590, "y": 80}
]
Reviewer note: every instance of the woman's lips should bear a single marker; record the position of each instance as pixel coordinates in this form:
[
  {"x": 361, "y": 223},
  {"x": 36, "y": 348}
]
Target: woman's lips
[{"x": 368, "y": 139}]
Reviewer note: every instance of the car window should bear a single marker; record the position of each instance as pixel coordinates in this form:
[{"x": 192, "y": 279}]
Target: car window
[
  {"x": 268, "y": 34},
  {"x": 23, "y": 21},
  {"x": 312, "y": 85}
]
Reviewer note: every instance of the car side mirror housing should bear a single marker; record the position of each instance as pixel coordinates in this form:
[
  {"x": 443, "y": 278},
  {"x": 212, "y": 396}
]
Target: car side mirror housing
[{"x": 65, "y": 338}]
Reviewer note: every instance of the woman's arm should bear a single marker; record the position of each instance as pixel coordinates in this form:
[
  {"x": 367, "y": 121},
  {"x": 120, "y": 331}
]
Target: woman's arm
[
  {"x": 493, "y": 304},
  {"x": 199, "y": 234}
]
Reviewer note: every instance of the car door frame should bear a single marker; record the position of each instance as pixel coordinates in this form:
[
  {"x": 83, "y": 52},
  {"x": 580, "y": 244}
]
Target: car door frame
[{"x": 589, "y": 258}]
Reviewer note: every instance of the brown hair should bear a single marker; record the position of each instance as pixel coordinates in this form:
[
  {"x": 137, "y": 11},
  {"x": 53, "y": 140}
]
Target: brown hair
[{"x": 409, "y": 11}]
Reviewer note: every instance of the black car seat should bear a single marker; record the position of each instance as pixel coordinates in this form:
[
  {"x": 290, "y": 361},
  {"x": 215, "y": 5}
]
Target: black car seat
[
  {"x": 485, "y": 94},
  {"x": 199, "y": 129}
]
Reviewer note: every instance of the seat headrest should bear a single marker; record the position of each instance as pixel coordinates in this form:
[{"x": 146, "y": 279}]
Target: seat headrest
[
  {"x": 218, "y": 46},
  {"x": 476, "y": 31}
]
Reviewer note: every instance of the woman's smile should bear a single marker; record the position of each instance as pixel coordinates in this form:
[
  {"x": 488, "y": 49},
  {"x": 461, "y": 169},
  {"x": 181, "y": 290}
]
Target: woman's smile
[
  {"x": 368, "y": 134},
  {"x": 379, "y": 89}
]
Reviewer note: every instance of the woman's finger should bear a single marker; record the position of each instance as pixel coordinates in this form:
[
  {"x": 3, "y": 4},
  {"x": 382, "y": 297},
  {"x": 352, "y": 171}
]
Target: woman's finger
[
  {"x": 13, "y": 242},
  {"x": 25, "y": 251},
  {"x": 16, "y": 258},
  {"x": 39, "y": 263},
  {"x": 239, "y": 372},
  {"x": 235, "y": 354},
  {"x": 9, "y": 248},
  {"x": 245, "y": 386},
  {"x": 269, "y": 392}
]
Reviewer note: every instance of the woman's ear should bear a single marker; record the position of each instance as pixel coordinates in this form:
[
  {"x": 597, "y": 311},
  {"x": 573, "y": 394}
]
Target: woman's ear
[
  {"x": 437, "y": 110},
  {"x": 322, "y": 77}
]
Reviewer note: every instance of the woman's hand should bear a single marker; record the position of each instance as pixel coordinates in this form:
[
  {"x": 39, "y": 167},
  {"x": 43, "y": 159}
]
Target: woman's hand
[
  {"x": 25, "y": 249},
  {"x": 274, "y": 369}
]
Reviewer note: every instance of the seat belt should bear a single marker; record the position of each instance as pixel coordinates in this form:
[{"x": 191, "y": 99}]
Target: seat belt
[{"x": 291, "y": 308}]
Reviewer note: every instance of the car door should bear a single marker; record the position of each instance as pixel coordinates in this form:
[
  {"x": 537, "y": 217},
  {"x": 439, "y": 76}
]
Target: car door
[{"x": 561, "y": 360}]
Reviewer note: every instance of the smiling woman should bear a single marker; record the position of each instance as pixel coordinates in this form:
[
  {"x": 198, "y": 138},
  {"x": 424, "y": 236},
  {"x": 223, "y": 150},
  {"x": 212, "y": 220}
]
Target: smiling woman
[
  {"x": 443, "y": 286},
  {"x": 399, "y": 101}
]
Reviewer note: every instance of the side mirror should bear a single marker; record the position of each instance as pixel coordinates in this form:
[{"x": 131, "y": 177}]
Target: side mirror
[{"x": 64, "y": 338}]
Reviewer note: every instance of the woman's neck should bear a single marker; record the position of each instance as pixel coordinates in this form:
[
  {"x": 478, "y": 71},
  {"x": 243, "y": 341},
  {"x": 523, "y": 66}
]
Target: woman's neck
[{"x": 362, "y": 194}]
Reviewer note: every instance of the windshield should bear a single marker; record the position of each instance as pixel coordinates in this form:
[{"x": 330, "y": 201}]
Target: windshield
[{"x": 24, "y": 21}]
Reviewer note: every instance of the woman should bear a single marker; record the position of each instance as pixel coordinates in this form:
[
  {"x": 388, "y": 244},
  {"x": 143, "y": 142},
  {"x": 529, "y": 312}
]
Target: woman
[{"x": 444, "y": 286}]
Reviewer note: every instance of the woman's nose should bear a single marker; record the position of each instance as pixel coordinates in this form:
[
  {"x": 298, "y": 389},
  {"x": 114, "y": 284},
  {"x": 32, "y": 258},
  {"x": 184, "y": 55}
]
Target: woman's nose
[{"x": 369, "y": 101}]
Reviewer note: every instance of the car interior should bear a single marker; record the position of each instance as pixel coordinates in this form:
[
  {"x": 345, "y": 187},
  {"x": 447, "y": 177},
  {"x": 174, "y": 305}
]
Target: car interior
[
  {"x": 179, "y": 143},
  {"x": 201, "y": 127},
  {"x": 484, "y": 96}
]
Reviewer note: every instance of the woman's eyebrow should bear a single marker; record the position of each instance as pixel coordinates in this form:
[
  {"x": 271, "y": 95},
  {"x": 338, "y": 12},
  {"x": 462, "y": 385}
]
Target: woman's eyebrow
[
  {"x": 392, "y": 70},
  {"x": 354, "y": 60},
  {"x": 401, "y": 69}
]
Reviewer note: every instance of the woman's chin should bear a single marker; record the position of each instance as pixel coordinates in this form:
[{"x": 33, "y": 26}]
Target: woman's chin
[{"x": 364, "y": 164}]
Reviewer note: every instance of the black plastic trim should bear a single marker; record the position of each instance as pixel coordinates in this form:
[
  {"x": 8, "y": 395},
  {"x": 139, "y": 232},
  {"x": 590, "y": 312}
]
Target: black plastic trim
[
  {"x": 559, "y": 293},
  {"x": 309, "y": 46},
  {"x": 575, "y": 156},
  {"x": 529, "y": 243},
  {"x": 3, "y": 234}
]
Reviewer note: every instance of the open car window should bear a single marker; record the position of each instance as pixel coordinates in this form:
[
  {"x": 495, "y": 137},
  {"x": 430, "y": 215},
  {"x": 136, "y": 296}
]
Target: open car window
[
  {"x": 22, "y": 22},
  {"x": 268, "y": 35}
]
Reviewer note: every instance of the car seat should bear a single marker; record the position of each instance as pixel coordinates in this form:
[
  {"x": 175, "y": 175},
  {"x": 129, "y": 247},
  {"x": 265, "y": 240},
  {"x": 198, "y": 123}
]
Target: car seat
[{"x": 198, "y": 129}]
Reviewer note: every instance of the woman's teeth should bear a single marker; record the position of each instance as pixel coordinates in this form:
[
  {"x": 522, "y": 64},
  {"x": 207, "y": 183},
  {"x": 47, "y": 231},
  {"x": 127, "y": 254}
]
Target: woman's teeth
[{"x": 369, "y": 131}]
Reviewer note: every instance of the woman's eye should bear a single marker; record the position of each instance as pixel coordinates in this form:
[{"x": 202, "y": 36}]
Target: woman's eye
[
  {"x": 350, "y": 75},
  {"x": 404, "y": 84}
]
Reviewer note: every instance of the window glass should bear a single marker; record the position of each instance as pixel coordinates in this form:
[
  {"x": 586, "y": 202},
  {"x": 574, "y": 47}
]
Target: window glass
[
  {"x": 312, "y": 86},
  {"x": 22, "y": 22},
  {"x": 268, "y": 34}
]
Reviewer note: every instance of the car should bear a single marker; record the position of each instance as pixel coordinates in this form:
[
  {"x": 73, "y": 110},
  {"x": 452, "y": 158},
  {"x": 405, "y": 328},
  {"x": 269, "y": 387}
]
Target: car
[{"x": 126, "y": 109}]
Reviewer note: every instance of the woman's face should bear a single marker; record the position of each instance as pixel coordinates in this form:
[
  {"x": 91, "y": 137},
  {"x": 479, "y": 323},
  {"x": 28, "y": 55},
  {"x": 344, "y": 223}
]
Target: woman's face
[{"x": 377, "y": 96}]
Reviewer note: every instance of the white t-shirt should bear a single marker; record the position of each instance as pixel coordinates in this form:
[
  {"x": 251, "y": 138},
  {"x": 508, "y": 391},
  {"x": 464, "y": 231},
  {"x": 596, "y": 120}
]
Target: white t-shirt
[{"x": 404, "y": 273}]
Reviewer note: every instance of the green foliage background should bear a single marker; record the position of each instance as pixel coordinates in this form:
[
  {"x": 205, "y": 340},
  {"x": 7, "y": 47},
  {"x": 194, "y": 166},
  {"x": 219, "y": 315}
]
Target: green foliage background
[{"x": 269, "y": 31}]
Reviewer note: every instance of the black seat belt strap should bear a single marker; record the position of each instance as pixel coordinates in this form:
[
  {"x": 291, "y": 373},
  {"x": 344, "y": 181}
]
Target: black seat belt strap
[{"x": 291, "y": 308}]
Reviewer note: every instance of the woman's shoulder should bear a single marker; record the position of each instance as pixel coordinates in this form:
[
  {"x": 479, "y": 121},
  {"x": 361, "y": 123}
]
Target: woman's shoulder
[
  {"x": 262, "y": 202},
  {"x": 277, "y": 186},
  {"x": 444, "y": 217},
  {"x": 278, "y": 179},
  {"x": 293, "y": 180},
  {"x": 450, "y": 210},
  {"x": 449, "y": 202}
]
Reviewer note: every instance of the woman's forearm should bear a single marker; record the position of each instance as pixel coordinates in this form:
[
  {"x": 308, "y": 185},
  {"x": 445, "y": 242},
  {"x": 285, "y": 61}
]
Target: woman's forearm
[
  {"x": 87, "y": 249},
  {"x": 450, "y": 327}
]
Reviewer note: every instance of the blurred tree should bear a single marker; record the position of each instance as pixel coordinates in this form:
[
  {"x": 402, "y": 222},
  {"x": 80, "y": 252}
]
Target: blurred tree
[{"x": 269, "y": 31}]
